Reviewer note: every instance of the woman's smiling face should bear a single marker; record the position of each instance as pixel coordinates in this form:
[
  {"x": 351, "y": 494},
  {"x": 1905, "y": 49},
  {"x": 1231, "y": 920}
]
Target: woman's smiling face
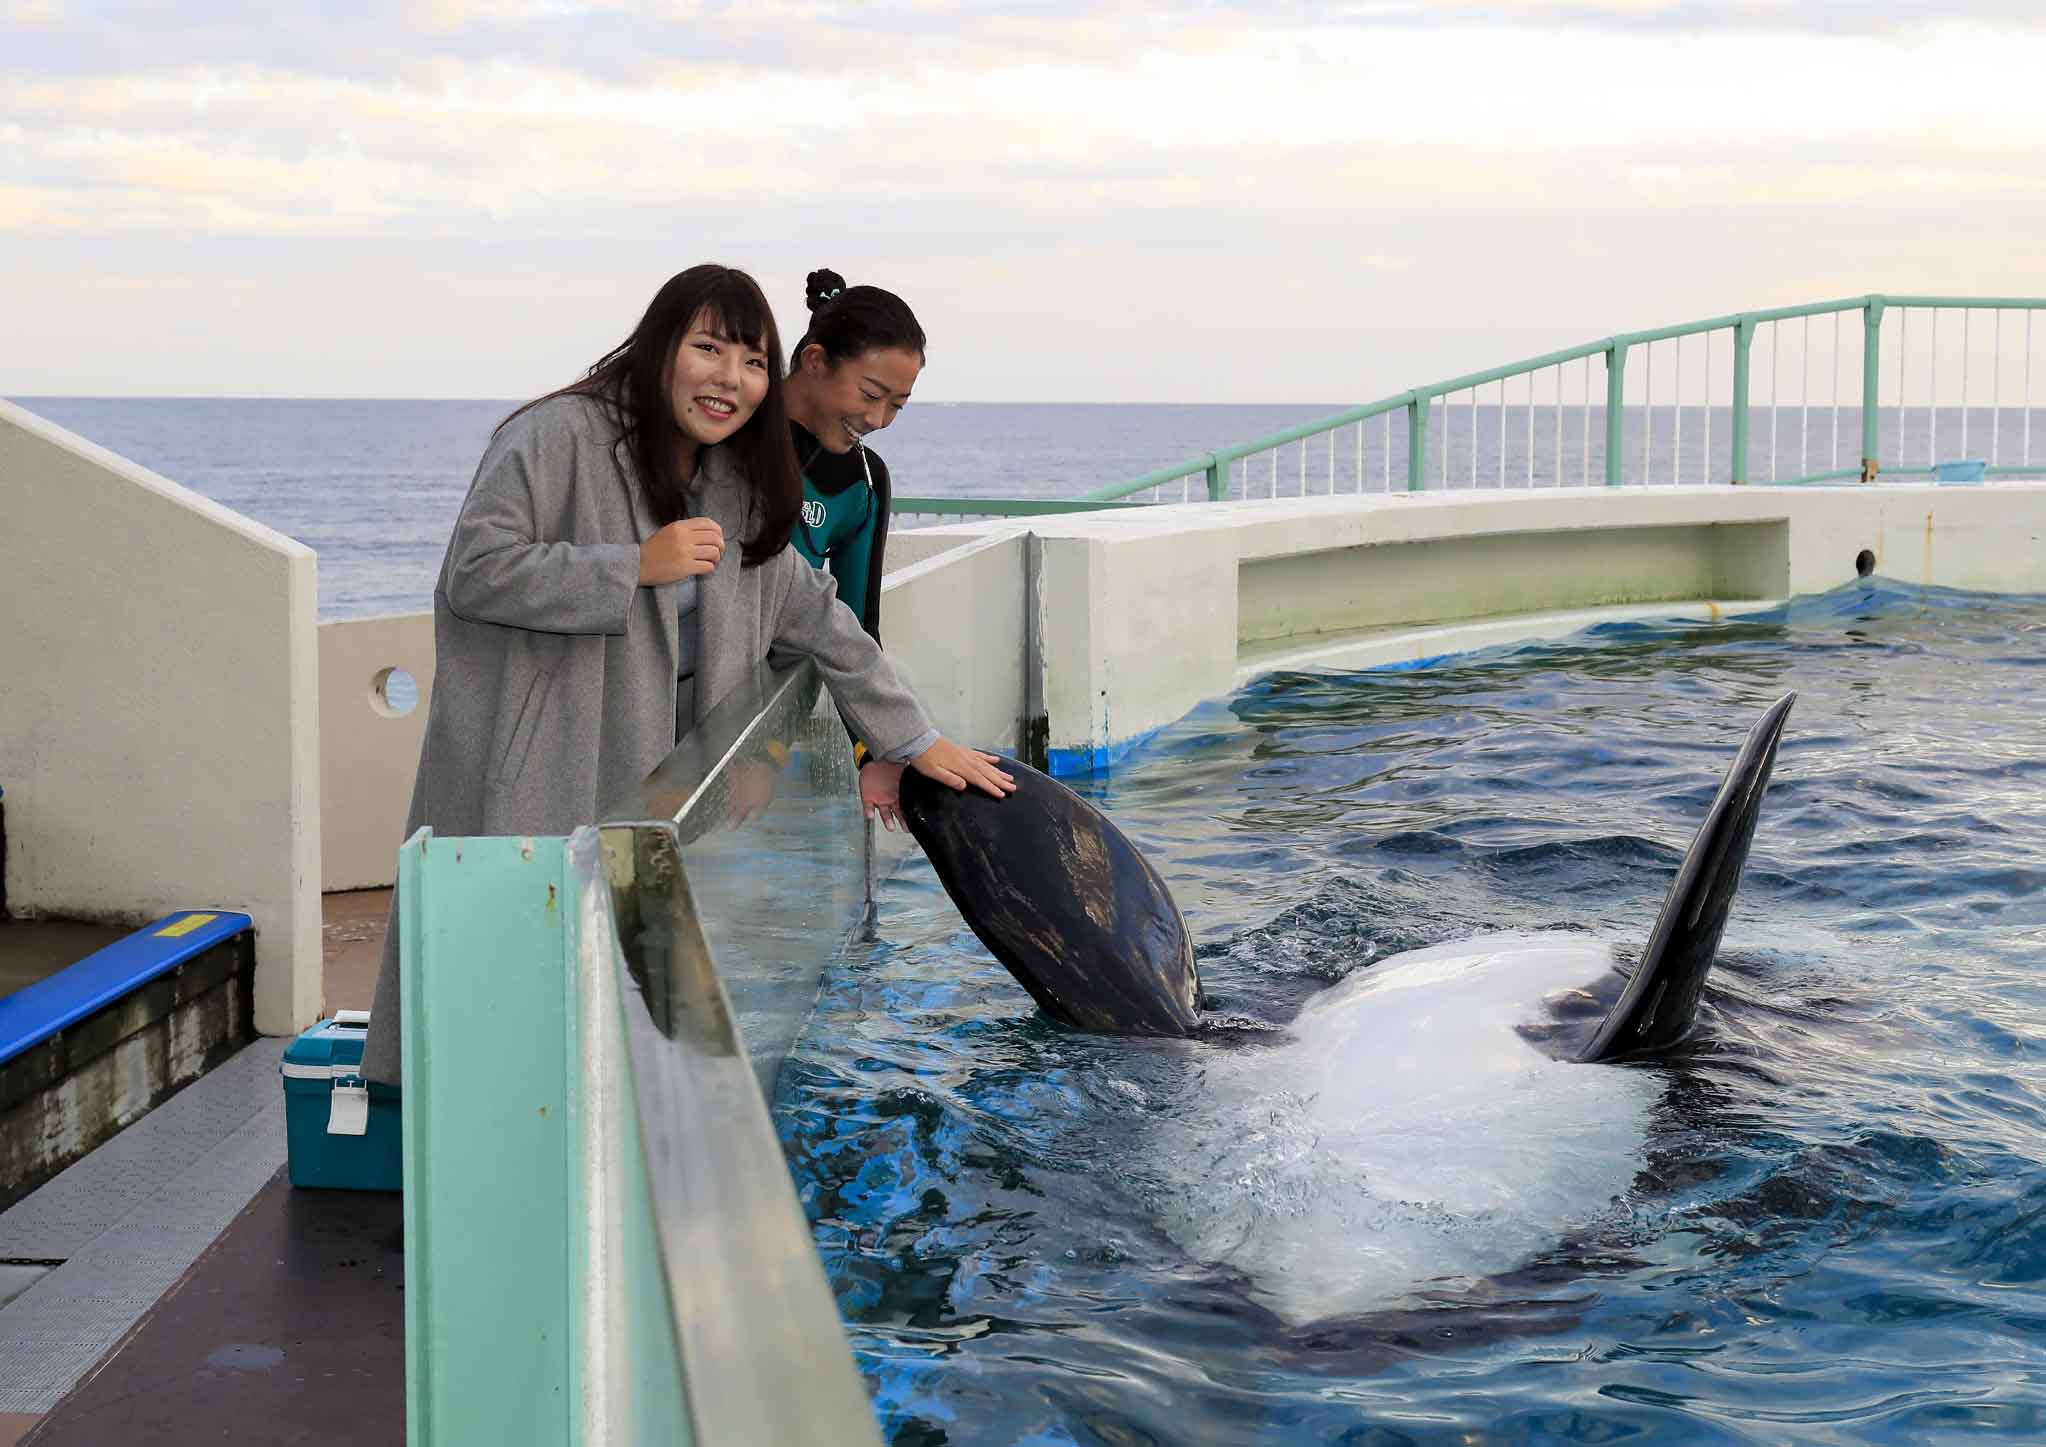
[
  {"x": 843, "y": 403},
  {"x": 715, "y": 382}
]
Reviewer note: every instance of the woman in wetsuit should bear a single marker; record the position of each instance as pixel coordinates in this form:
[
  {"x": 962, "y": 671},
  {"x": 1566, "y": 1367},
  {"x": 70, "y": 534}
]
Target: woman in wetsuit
[{"x": 848, "y": 378}]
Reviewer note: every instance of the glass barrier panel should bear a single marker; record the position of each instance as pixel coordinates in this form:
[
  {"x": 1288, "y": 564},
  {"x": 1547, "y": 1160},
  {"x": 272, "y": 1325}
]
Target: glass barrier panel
[{"x": 735, "y": 875}]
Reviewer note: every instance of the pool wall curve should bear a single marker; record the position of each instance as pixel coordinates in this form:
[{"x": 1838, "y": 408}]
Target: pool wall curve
[{"x": 1141, "y": 614}]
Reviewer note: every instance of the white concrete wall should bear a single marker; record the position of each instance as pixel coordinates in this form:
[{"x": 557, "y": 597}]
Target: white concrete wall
[
  {"x": 907, "y": 546},
  {"x": 1990, "y": 538},
  {"x": 1138, "y": 628},
  {"x": 1982, "y": 537},
  {"x": 159, "y": 729},
  {"x": 1471, "y": 575},
  {"x": 954, "y": 624},
  {"x": 368, "y": 755},
  {"x": 1149, "y": 611}
]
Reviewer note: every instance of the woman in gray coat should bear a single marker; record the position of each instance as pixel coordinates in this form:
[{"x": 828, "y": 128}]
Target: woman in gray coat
[{"x": 620, "y": 562}]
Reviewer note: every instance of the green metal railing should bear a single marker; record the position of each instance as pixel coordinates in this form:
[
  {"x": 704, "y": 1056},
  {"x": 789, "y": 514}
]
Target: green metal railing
[
  {"x": 1538, "y": 429},
  {"x": 965, "y": 508}
]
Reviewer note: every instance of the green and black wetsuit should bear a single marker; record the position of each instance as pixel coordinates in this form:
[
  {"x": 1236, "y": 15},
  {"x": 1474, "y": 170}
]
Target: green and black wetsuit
[{"x": 844, "y": 525}]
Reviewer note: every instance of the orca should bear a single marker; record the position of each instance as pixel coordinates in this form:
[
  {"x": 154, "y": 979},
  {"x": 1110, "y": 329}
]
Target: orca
[
  {"x": 1420, "y": 1130},
  {"x": 1064, "y": 900},
  {"x": 1076, "y": 913}
]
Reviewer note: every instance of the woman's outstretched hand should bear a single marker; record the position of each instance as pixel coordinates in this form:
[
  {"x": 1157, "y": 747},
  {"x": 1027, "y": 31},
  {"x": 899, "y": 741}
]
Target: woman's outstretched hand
[
  {"x": 750, "y": 789},
  {"x": 686, "y": 549},
  {"x": 881, "y": 791},
  {"x": 956, "y": 768}
]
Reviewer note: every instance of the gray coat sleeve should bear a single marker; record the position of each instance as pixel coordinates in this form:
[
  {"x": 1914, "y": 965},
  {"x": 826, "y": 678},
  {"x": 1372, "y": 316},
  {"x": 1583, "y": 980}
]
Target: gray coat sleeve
[
  {"x": 863, "y": 683},
  {"x": 497, "y": 569}
]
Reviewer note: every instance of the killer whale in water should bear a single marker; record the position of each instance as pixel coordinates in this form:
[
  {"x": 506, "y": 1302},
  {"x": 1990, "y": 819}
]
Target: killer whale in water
[
  {"x": 1420, "y": 1126},
  {"x": 1076, "y": 913}
]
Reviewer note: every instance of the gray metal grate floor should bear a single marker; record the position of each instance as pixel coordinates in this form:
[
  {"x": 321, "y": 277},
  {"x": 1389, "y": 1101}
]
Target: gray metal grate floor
[{"x": 130, "y": 1219}]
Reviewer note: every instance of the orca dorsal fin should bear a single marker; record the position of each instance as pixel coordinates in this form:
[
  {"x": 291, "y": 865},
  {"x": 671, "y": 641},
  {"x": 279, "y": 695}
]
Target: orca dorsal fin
[{"x": 1660, "y": 1001}]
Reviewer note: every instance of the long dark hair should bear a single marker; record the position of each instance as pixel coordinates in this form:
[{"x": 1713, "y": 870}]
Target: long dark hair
[
  {"x": 632, "y": 381},
  {"x": 850, "y": 321}
]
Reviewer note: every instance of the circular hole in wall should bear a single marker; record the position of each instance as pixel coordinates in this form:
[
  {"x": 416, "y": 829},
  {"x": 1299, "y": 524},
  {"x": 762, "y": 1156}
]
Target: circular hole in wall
[
  {"x": 1864, "y": 563},
  {"x": 393, "y": 692}
]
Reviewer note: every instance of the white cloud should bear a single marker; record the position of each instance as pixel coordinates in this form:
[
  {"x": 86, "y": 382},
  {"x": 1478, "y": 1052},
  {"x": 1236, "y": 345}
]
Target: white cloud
[{"x": 1454, "y": 188}]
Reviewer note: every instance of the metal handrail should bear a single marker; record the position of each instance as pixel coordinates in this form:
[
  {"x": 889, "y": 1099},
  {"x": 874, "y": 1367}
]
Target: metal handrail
[
  {"x": 1741, "y": 329},
  {"x": 997, "y": 507}
]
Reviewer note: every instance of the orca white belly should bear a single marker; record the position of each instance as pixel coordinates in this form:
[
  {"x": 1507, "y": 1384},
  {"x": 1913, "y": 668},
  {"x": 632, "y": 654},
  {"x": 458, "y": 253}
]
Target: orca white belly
[{"x": 1405, "y": 1138}]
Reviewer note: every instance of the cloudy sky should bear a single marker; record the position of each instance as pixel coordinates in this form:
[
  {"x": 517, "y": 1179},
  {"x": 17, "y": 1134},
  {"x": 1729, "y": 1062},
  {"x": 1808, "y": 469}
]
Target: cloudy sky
[{"x": 1108, "y": 202}]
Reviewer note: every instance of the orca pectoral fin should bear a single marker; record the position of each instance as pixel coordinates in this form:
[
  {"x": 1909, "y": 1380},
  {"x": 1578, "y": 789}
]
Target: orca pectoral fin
[{"x": 1661, "y": 1000}]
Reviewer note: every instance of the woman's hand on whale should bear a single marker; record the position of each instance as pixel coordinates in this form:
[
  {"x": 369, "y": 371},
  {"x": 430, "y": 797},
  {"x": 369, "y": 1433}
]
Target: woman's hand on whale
[{"x": 956, "y": 767}]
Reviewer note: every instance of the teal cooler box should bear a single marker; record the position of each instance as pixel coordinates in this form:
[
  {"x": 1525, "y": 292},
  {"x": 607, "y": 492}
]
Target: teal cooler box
[{"x": 343, "y": 1130}]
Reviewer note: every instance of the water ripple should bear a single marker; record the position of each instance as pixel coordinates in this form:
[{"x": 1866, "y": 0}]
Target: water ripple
[{"x": 1838, "y": 1230}]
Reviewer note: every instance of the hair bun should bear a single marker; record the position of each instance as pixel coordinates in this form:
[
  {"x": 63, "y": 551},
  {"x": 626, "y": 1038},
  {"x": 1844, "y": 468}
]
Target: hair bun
[{"x": 821, "y": 286}]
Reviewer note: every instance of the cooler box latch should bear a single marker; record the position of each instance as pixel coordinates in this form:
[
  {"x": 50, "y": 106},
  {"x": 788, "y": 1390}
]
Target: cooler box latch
[{"x": 348, "y": 1112}]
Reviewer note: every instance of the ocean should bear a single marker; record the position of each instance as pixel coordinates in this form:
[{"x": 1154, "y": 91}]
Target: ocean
[{"x": 373, "y": 486}]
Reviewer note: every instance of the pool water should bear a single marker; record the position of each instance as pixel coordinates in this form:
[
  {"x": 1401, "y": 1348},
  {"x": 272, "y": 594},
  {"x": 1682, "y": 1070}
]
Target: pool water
[{"x": 1836, "y": 1230}]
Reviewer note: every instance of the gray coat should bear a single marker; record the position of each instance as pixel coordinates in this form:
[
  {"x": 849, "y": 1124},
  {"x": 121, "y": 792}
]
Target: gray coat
[{"x": 555, "y": 671}]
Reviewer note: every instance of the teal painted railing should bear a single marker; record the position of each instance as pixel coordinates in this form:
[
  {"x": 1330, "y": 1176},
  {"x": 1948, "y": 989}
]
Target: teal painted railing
[
  {"x": 966, "y": 508},
  {"x": 1579, "y": 416}
]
